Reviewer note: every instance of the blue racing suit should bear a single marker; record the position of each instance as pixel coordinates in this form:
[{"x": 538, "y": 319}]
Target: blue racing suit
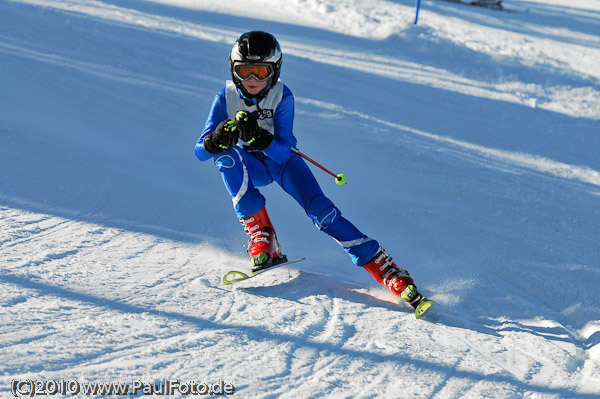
[{"x": 243, "y": 171}]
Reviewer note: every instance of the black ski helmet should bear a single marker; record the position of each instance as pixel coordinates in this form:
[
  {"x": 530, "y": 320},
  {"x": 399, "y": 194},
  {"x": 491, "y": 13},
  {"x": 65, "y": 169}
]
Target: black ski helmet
[{"x": 256, "y": 47}]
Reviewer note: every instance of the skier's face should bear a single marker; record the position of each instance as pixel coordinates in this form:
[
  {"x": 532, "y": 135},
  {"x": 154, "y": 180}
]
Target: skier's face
[{"x": 253, "y": 86}]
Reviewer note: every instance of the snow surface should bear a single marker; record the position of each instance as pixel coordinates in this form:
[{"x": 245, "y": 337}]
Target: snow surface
[{"x": 470, "y": 142}]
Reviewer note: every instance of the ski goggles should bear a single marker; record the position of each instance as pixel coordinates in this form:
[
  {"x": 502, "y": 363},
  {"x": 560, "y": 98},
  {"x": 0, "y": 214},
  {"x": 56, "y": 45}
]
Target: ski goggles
[{"x": 261, "y": 72}]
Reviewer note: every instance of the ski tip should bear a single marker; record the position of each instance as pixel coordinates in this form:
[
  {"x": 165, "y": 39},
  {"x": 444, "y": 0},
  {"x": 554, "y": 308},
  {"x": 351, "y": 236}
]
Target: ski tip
[
  {"x": 423, "y": 308},
  {"x": 240, "y": 276}
]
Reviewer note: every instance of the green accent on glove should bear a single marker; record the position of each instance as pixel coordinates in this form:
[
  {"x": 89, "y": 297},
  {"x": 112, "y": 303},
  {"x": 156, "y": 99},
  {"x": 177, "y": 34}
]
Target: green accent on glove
[{"x": 230, "y": 126}]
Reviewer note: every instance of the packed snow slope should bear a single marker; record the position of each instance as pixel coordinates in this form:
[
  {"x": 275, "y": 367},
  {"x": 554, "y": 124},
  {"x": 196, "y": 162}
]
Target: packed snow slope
[{"x": 470, "y": 142}]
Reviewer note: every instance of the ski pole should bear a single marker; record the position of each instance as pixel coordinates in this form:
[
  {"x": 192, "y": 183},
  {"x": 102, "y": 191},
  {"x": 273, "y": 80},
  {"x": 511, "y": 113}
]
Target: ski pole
[{"x": 339, "y": 179}]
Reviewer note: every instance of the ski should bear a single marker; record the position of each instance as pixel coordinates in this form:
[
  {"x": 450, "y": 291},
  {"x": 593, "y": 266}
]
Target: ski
[
  {"x": 423, "y": 306},
  {"x": 417, "y": 300},
  {"x": 235, "y": 276}
]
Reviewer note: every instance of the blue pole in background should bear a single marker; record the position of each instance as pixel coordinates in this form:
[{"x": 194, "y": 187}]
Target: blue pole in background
[{"x": 417, "y": 6}]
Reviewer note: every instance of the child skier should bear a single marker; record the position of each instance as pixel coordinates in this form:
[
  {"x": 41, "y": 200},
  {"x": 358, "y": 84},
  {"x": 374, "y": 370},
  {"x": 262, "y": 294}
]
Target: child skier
[{"x": 249, "y": 136}]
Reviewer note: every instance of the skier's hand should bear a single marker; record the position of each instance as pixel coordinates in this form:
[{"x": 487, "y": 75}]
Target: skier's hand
[
  {"x": 247, "y": 124},
  {"x": 224, "y": 136},
  {"x": 258, "y": 139}
]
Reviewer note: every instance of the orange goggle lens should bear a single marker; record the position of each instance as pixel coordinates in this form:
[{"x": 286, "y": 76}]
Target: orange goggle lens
[{"x": 260, "y": 72}]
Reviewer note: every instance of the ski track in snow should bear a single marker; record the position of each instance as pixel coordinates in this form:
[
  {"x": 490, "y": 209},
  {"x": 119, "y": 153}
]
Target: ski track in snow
[
  {"x": 100, "y": 303},
  {"x": 469, "y": 150},
  {"x": 96, "y": 297}
]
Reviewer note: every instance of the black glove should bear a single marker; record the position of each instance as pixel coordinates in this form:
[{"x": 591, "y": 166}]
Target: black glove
[
  {"x": 258, "y": 139},
  {"x": 224, "y": 136}
]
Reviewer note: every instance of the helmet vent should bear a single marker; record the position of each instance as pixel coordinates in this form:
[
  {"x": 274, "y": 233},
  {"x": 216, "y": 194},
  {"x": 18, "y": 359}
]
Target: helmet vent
[{"x": 253, "y": 57}]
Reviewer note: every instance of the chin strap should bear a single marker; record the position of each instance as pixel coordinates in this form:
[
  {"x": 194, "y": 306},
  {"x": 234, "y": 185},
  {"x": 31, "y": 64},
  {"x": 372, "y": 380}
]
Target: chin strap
[{"x": 254, "y": 100}]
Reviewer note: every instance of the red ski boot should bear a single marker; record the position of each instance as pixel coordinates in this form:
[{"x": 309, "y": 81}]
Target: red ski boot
[
  {"x": 397, "y": 281},
  {"x": 263, "y": 246}
]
